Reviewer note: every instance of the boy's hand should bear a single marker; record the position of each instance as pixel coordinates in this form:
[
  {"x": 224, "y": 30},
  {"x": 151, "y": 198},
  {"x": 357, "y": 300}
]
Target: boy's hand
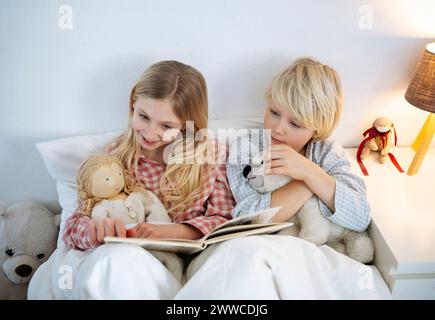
[
  {"x": 98, "y": 229},
  {"x": 284, "y": 160}
]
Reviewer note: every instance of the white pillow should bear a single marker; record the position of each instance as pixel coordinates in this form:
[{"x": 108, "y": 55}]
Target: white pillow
[
  {"x": 63, "y": 158},
  {"x": 226, "y": 137}
]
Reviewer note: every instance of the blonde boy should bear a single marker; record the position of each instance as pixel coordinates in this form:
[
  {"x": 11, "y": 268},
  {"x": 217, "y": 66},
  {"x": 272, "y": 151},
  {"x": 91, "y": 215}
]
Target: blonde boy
[{"x": 304, "y": 104}]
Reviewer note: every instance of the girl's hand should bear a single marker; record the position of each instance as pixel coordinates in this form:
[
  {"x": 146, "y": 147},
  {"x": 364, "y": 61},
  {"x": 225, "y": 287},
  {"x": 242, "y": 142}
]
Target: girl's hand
[
  {"x": 284, "y": 160},
  {"x": 173, "y": 231},
  {"x": 98, "y": 229}
]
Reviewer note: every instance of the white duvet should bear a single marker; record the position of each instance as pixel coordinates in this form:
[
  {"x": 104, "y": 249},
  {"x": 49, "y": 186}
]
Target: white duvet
[
  {"x": 255, "y": 267},
  {"x": 279, "y": 267}
]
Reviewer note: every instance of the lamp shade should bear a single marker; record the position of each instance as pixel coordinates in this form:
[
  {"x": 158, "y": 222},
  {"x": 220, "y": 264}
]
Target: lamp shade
[{"x": 421, "y": 90}]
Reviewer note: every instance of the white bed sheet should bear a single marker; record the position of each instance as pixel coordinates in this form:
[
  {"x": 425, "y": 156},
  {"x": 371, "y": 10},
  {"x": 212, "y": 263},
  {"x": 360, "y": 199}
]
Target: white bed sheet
[
  {"x": 279, "y": 267},
  {"x": 299, "y": 269}
]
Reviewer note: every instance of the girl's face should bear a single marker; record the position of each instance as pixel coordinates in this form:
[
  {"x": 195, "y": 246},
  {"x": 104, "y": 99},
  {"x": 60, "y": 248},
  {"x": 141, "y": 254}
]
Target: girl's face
[
  {"x": 285, "y": 128},
  {"x": 108, "y": 181},
  {"x": 154, "y": 122}
]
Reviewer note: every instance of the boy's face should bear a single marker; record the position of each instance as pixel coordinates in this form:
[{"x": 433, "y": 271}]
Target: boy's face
[{"x": 285, "y": 128}]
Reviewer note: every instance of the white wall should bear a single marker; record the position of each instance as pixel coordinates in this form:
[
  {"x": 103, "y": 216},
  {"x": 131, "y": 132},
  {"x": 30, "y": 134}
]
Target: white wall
[{"x": 56, "y": 83}]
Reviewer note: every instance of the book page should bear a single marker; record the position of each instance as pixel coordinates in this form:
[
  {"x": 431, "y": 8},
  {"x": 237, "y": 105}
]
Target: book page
[
  {"x": 266, "y": 229},
  {"x": 168, "y": 245},
  {"x": 239, "y": 228},
  {"x": 260, "y": 217},
  {"x": 255, "y": 223}
]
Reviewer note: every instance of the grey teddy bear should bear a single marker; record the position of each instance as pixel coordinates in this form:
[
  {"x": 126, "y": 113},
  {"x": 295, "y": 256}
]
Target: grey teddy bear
[
  {"x": 28, "y": 233},
  {"x": 310, "y": 224}
]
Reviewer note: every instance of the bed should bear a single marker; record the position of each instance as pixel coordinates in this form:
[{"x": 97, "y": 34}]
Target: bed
[{"x": 62, "y": 158}]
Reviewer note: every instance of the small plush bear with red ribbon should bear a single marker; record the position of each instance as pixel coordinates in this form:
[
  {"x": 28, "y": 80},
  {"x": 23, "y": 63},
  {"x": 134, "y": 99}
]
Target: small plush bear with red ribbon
[{"x": 381, "y": 138}]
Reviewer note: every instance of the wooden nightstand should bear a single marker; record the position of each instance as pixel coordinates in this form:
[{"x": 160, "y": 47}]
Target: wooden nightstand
[{"x": 403, "y": 222}]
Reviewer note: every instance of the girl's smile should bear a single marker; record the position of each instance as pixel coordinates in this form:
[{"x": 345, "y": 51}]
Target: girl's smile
[
  {"x": 148, "y": 142},
  {"x": 155, "y": 123}
]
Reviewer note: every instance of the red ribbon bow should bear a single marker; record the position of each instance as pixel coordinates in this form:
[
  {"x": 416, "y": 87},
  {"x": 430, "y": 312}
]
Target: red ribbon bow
[{"x": 372, "y": 133}]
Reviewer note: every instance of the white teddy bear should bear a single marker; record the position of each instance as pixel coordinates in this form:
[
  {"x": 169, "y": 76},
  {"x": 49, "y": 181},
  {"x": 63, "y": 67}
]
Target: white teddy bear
[
  {"x": 310, "y": 224},
  {"x": 28, "y": 233}
]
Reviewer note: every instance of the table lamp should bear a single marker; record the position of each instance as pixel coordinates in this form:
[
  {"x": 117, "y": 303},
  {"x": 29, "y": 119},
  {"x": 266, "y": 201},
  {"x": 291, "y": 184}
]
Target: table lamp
[{"x": 421, "y": 94}]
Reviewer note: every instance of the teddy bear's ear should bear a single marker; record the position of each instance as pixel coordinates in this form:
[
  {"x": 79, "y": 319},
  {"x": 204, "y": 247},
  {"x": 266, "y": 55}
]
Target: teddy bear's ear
[{"x": 57, "y": 219}]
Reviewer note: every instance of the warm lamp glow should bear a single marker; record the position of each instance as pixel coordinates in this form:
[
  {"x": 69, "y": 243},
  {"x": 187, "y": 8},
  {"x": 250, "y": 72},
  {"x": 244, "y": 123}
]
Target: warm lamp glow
[
  {"x": 431, "y": 47},
  {"x": 405, "y": 17}
]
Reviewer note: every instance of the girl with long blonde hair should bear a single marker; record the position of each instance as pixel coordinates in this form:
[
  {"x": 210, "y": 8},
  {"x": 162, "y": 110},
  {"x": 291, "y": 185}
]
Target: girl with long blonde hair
[{"x": 168, "y": 108}]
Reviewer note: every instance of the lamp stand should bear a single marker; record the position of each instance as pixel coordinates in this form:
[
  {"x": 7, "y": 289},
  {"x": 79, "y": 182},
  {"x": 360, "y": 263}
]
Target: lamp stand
[{"x": 422, "y": 143}]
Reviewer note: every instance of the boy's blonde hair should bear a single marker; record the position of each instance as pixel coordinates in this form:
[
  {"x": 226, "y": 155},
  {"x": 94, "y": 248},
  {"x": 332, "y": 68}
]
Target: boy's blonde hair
[
  {"x": 185, "y": 87},
  {"x": 312, "y": 92}
]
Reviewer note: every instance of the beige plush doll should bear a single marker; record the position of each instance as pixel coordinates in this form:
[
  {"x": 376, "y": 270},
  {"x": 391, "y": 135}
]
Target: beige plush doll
[{"x": 106, "y": 190}]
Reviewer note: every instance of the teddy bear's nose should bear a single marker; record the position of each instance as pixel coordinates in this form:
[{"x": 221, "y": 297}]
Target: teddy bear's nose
[
  {"x": 23, "y": 270},
  {"x": 246, "y": 171}
]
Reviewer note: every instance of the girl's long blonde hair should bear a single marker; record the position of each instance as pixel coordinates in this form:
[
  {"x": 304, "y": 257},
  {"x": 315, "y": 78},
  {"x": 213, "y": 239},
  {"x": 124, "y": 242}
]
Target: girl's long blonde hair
[{"x": 185, "y": 87}]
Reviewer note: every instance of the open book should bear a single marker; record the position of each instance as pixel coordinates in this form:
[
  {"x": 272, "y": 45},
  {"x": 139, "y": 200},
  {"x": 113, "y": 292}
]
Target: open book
[{"x": 250, "y": 224}]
